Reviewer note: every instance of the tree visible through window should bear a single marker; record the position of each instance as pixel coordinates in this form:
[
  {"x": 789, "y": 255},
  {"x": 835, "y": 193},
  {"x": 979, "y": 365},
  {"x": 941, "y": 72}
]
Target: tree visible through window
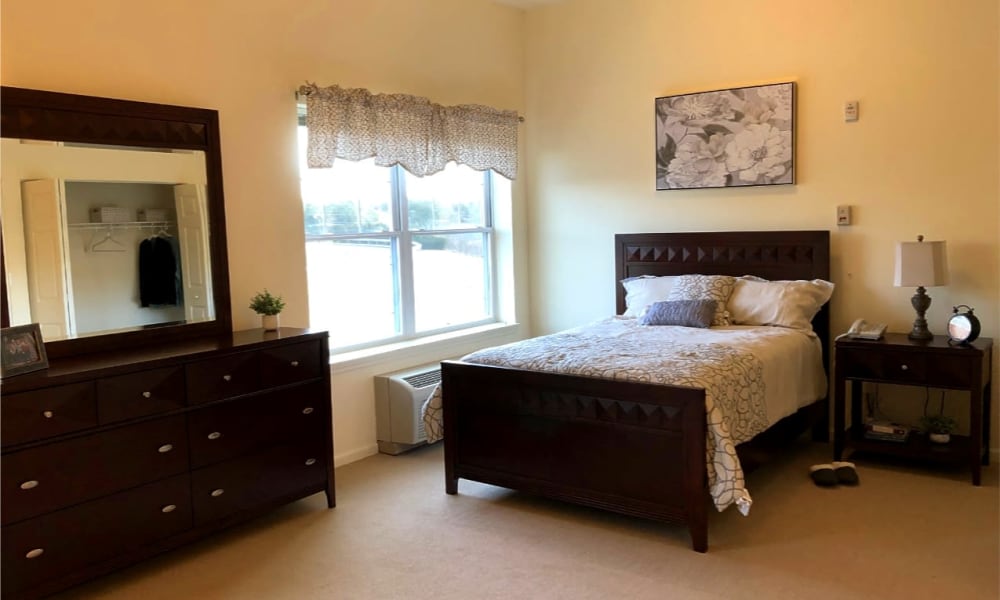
[{"x": 391, "y": 256}]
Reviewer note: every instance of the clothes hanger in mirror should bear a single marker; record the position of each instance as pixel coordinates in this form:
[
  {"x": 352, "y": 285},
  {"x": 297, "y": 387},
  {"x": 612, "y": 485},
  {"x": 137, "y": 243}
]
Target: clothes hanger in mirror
[{"x": 107, "y": 244}]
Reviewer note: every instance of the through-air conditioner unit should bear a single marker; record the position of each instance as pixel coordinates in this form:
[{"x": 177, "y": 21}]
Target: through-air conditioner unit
[{"x": 398, "y": 398}]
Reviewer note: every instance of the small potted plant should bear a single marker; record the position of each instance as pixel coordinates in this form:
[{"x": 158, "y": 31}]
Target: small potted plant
[
  {"x": 938, "y": 427},
  {"x": 268, "y": 306}
]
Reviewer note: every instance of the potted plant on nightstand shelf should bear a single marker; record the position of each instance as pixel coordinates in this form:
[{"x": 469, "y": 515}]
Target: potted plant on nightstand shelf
[
  {"x": 938, "y": 427},
  {"x": 268, "y": 306}
]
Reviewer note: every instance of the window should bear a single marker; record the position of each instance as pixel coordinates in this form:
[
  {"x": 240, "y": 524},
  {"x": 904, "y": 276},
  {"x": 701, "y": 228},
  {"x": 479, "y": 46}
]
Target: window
[{"x": 391, "y": 256}]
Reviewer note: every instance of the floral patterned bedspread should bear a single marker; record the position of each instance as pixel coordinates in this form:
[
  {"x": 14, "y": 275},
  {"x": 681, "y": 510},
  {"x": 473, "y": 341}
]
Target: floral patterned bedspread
[{"x": 734, "y": 365}]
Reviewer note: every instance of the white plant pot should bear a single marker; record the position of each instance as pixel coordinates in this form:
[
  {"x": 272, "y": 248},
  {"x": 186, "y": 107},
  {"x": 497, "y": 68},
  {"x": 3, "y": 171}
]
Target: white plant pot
[
  {"x": 269, "y": 322},
  {"x": 940, "y": 438}
]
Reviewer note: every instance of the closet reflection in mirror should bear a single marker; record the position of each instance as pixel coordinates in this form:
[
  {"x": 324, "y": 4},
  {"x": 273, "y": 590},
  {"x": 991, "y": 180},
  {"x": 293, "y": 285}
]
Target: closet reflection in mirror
[{"x": 104, "y": 239}]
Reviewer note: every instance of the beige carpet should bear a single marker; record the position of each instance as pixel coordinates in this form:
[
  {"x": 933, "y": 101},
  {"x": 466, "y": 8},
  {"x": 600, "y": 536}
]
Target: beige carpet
[{"x": 904, "y": 533}]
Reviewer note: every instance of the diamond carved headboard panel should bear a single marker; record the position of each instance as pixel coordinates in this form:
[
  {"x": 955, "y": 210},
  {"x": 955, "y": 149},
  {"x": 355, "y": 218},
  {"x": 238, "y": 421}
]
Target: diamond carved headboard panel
[{"x": 768, "y": 254}]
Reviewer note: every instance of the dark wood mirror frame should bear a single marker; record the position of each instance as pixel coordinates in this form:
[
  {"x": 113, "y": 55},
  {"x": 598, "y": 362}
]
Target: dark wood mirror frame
[{"x": 54, "y": 116}]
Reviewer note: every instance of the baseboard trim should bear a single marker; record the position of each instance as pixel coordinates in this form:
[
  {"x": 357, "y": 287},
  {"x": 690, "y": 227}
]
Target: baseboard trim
[{"x": 340, "y": 460}]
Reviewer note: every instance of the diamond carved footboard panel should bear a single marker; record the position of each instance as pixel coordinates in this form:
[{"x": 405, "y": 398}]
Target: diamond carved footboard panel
[{"x": 634, "y": 448}]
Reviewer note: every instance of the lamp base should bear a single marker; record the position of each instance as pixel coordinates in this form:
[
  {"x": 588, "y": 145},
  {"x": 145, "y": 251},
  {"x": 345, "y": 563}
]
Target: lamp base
[{"x": 921, "y": 302}]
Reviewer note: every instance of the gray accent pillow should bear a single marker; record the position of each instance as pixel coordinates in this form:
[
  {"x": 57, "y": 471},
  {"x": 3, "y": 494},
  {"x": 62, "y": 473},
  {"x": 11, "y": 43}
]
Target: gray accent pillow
[{"x": 686, "y": 313}]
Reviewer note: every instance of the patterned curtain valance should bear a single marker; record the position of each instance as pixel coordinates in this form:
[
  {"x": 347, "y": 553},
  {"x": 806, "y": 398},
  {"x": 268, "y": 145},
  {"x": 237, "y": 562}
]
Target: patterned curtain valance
[{"x": 411, "y": 131}]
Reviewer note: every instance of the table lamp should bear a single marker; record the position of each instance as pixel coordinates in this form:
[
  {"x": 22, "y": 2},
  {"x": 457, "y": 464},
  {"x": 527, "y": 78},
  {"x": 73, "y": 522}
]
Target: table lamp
[{"x": 922, "y": 264}]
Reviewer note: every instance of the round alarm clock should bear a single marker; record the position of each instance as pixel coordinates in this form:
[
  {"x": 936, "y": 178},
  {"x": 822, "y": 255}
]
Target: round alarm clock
[{"x": 963, "y": 326}]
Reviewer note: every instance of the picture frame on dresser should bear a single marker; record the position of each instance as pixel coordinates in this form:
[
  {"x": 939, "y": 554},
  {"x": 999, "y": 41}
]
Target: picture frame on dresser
[{"x": 22, "y": 350}]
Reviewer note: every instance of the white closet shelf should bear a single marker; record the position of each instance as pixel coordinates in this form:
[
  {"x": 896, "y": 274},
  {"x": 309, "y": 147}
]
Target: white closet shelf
[{"x": 124, "y": 225}]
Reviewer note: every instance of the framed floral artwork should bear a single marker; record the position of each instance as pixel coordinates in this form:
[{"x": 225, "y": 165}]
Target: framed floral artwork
[{"x": 726, "y": 138}]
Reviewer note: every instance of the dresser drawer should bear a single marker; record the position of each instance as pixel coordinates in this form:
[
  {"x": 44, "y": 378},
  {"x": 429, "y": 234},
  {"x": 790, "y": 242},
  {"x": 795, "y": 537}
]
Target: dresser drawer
[
  {"x": 223, "y": 377},
  {"x": 140, "y": 394},
  {"x": 288, "y": 364},
  {"x": 47, "y": 412},
  {"x": 226, "y": 430},
  {"x": 46, "y": 478},
  {"x": 285, "y": 471},
  {"x": 58, "y": 543}
]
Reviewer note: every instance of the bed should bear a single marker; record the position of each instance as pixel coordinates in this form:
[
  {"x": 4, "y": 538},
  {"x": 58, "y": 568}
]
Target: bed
[{"x": 633, "y": 444}]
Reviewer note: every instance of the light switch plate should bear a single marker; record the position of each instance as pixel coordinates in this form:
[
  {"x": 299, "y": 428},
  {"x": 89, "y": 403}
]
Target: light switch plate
[{"x": 851, "y": 110}]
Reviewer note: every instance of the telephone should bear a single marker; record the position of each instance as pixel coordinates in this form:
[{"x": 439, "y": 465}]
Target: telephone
[{"x": 864, "y": 330}]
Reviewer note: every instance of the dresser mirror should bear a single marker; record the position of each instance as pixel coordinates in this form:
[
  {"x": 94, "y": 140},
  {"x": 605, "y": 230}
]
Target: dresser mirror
[{"x": 113, "y": 221}]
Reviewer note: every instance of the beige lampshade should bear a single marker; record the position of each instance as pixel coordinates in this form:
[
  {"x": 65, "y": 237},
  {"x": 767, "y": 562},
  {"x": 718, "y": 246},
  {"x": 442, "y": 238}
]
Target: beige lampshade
[{"x": 921, "y": 264}]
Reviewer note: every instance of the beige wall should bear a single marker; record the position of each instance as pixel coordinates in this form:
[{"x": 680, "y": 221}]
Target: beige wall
[
  {"x": 922, "y": 159},
  {"x": 245, "y": 59}
]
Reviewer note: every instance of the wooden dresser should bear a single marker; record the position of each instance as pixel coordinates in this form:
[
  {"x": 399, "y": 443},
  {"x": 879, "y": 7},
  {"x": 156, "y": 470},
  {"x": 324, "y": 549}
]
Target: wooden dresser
[{"x": 113, "y": 457}]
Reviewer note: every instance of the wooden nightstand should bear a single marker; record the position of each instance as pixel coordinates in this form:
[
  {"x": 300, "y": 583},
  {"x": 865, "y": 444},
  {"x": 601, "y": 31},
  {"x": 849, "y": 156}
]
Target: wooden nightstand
[{"x": 935, "y": 363}]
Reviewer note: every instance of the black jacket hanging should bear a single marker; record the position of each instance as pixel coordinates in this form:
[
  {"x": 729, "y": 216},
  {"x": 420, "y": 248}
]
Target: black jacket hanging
[{"x": 157, "y": 271}]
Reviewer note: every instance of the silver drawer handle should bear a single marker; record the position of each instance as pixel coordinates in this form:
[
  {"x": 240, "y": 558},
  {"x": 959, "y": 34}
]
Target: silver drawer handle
[
  {"x": 27, "y": 485},
  {"x": 310, "y": 462},
  {"x": 214, "y": 435},
  {"x": 169, "y": 508},
  {"x": 227, "y": 377},
  {"x": 218, "y": 492},
  {"x": 295, "y": 363},
  {"x": 165, "y": 448},
  {"x": 48, "y": 414},
  {"x": 307, "y": 410},
  {"x": 904, "y": 367},
  {"x": 35, "y": 553},
  {"x": 147, "y": 394}
]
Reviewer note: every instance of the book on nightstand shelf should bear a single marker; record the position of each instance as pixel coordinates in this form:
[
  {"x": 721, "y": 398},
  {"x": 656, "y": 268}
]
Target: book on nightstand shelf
[{"x": 886, "y": 431}]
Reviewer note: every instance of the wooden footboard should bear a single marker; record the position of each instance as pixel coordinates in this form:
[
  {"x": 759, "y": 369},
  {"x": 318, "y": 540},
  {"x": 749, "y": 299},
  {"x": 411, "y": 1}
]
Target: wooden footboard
[{"x": 590, "y": 441}]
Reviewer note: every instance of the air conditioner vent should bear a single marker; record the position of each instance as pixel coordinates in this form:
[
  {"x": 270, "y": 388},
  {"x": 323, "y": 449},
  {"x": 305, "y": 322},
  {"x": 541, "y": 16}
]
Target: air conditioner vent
[{"x": 424, "y": 379}]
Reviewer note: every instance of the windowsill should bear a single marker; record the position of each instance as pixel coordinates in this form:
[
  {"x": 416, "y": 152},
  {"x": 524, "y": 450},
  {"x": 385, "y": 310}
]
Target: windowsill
[{"x": 441, "y": 344}]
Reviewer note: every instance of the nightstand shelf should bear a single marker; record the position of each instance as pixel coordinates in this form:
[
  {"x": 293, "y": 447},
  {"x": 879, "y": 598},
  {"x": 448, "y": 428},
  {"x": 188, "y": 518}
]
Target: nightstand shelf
[
  {"x": 898, "y": 360},
  {"x": 918, "y": 447}
]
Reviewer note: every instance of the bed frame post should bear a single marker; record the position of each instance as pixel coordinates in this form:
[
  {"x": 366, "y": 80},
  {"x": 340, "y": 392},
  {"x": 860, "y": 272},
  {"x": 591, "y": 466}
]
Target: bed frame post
[
  {"x": 821, "y": 428},
  {"x": 449, "y": 421},
  {"x": 695, "y": 476}
]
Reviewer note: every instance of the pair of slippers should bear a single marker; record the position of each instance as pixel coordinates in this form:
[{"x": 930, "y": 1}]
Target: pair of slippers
[{"x": 831, "y": 474}]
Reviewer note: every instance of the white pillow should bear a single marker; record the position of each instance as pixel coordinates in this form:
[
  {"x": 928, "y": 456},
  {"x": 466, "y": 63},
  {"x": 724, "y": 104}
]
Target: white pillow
[
  {"x": 640, "y": 292},
  {"x": 706, "y": 287},
  {"x": 782, "y": 303}
]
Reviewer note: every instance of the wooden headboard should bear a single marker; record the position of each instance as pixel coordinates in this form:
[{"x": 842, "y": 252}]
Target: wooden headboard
[{"x": 769, "y": 254}]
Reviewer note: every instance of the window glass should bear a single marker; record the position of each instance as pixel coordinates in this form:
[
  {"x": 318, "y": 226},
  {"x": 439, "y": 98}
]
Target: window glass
[
  {"x": 353, "y": 289},
  {"x": 450, "y": 279},
  {"x": 451, "y": 199}
]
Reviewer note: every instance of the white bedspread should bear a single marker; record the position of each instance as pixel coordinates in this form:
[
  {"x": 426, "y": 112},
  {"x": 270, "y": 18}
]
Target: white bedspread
[{"x": 752, "y": 376}]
